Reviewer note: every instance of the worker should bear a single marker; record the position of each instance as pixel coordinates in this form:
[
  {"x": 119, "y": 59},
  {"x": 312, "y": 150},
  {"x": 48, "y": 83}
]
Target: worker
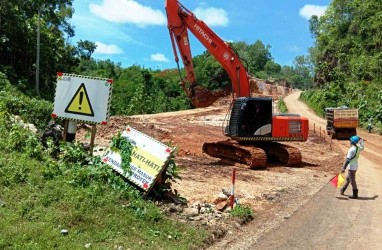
[{"x": 351, "y": 163}]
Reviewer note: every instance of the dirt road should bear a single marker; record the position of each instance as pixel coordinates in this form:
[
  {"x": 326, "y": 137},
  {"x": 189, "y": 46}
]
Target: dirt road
[{"x": 330, "y": 221}]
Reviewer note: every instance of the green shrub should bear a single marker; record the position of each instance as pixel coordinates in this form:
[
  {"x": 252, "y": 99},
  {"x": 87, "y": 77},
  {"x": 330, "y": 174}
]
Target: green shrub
[
  {"x": 281, "y": 106},
  {"x": 31, "y": 110},
  {"x": 242, "y": 212}
]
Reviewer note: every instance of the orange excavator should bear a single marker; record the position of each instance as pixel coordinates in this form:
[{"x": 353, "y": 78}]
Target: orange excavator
[{"x": 254, "y": 131}]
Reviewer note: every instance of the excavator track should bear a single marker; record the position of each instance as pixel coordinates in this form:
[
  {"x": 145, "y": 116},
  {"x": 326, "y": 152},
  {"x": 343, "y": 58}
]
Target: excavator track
[
  {"x": 287, "y": 155},
  {"x": 255, "y": 156},
  {"x": 252, "y": 156}
]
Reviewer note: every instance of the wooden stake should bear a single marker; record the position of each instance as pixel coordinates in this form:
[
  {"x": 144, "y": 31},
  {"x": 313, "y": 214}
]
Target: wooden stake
[
  {"x": 65, "y": 130},
  {"x": 94, "y": 130}
]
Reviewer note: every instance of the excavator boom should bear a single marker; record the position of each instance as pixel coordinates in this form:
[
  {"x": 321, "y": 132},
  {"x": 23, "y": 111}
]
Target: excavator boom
[{"x": 180, "y": 21}]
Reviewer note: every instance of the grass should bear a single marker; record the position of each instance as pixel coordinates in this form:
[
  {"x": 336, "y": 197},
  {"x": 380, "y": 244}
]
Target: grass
[{"x": 41, "y": 195}]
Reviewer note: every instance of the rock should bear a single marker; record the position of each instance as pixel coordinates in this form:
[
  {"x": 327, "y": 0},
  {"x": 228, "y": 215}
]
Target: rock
[
  {"x": 195, "y": 218},
  {"x": 190, "y": 212},
  {"x": 221, "y": 205},
  {"x": 218, "y": 216},
  {"x": 64, "y": 232},
  {"x": 226, "y": 192},
  {"x": 88, "y": 245},
  {"x": 175, "y": 209},
  {"x": 222, "y": 196},
  {"x": 204, "y": 210}
]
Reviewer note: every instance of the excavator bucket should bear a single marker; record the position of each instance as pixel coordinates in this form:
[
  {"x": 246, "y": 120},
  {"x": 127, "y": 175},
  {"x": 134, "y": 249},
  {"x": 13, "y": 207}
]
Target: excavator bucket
[{"x": 202, "y": 97}]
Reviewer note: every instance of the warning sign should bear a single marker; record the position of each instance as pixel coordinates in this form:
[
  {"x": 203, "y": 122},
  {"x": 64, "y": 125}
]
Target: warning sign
[
  {"x": 149, "y": 158},
  {"x": 80, "y": 103},
  {"x": 82, "y": 98}
]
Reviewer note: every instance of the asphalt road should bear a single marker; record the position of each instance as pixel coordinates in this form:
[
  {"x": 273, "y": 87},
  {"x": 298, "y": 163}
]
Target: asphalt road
[{"x": 329, "y": 220}]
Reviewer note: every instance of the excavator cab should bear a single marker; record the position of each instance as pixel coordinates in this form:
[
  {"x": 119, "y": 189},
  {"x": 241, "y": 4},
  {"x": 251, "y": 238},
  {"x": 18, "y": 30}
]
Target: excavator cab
[{"x": 250, "y": 117}]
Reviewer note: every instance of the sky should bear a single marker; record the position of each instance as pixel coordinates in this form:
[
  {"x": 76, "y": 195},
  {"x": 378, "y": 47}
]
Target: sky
[{"x": 134, "y": 32}]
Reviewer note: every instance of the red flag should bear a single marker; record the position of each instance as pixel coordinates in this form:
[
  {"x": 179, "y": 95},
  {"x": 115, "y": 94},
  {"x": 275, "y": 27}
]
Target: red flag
[{"x": 337, "y": 180}]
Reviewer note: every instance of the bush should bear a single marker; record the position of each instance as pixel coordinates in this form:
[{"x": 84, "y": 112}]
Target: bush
[
  {"x": 281, "y": 106},
  {"x": 242, "y": 212},
  {"x": 31, "y": 110}
]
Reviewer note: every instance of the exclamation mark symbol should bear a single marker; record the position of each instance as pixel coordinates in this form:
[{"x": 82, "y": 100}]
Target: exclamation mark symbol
[{"x": 81, "y": 97}]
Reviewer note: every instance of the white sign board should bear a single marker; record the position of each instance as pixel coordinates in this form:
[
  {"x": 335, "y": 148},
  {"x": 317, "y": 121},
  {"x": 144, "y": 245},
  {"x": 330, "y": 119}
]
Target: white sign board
[
  {"x": 82, "y": 98},
  {"x": 148, "y": 159}
]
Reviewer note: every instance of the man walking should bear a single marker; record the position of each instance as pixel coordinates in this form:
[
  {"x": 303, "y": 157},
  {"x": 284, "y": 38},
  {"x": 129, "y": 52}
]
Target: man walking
[{"x": 352, "y": 163}]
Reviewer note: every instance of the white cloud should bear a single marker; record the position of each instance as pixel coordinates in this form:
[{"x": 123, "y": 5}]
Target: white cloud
[
  {"x": 128, "y": 11},
  {"x": 159, "y": 58},
  {"x": 309, "y": 10},
  {"x": 212, "y": 16},
  {"x": 107, "y": 49}
]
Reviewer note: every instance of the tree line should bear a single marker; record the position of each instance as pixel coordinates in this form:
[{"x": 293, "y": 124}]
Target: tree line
[
  {"x": 342, "y": 68},
  {"x": 137, "y": 89},
  {"x": 347, "y": 59}
]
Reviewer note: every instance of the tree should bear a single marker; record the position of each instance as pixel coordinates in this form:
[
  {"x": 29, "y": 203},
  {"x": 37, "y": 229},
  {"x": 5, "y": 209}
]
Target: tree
[
  {"x": 303, "y": 72},
  {"x": 18, "y": 26},
  {"x": 86, "y": 49},
  {"x": 272, "y": 68},
  {"x": 348, "y": 41},
  {"x": 254, "y": 56}
]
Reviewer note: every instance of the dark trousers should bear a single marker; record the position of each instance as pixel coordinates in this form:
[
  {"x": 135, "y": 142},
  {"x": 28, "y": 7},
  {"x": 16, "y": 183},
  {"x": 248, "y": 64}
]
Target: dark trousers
[{"x": 350, "y": 178}]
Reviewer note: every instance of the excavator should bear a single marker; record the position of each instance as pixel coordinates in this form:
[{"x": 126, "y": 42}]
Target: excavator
[{"x": 254, "y": 132}]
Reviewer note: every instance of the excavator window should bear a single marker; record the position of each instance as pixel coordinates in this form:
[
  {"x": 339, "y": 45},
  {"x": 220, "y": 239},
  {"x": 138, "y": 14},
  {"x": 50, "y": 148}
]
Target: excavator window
[{"x": 256, "y": 113}]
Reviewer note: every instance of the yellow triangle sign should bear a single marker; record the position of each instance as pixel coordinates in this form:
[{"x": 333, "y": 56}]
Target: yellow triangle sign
[{"x": 80, "y": 103}]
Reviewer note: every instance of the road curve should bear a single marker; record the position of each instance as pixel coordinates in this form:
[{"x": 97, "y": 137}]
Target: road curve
[{"x": 331, "y": 221}]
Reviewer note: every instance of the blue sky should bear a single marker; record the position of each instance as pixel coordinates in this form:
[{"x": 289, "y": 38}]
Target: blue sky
[{"x": 135, "y": 31}]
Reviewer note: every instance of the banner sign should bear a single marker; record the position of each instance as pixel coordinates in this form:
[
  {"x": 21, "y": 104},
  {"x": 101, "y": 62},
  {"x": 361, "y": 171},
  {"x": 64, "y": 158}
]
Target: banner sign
[{"x": 149, "y": 158}]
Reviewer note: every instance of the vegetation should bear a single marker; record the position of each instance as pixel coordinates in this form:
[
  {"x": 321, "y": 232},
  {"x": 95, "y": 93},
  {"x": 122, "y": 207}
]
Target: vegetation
[
  {"x": 243, "y": 212},
  {"x": 41, "y": 195},
  {"x": 259, "y": 62},
  {"x": 136, "y": 90},
  {"x": 347, "y": 59},
  {"x": 281, "y": 106}
]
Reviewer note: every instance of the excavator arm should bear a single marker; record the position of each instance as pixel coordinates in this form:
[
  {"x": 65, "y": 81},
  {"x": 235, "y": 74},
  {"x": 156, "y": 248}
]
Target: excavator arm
[{"x": 180, "y": 21}]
